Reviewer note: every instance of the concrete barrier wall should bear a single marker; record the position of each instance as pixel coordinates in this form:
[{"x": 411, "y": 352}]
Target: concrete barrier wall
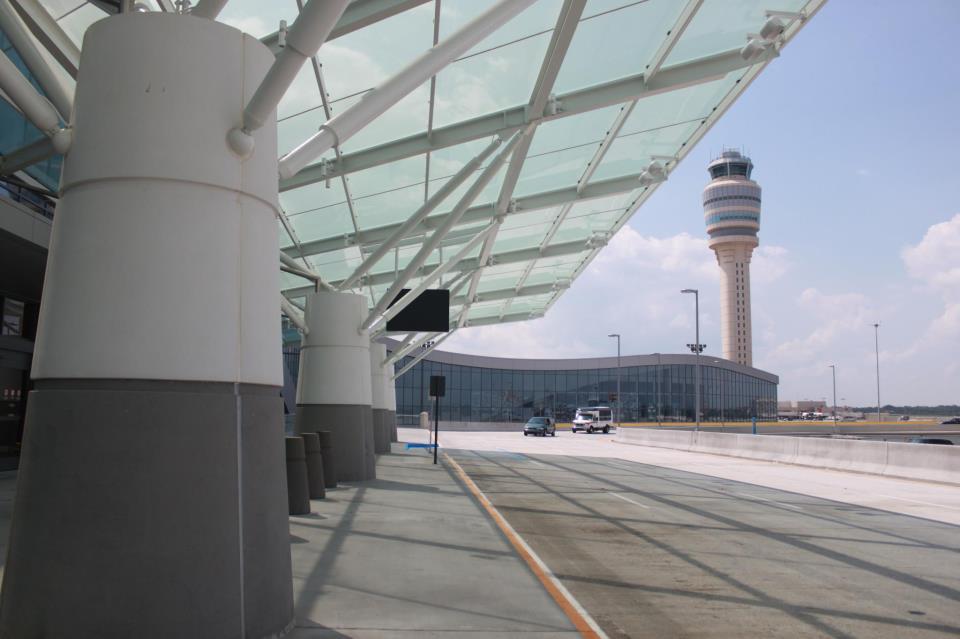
[{"x": 893, "y": 459}]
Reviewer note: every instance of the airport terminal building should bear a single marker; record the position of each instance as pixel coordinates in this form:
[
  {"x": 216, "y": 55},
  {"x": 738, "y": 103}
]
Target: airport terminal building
[
  {"x": 484, "y": 391},
  {"x": 652, "y": 387}
]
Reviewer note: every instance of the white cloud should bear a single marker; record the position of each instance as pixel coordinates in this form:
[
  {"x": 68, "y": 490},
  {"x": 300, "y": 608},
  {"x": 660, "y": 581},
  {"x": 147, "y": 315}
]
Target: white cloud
[
  {"x": 833, "y": 317},
  {"x": 633, "y": 288},
  {"x": 534, "y": 339},
  {"x": 935, "y": 260},
  {"x": 680, "y": 254}
]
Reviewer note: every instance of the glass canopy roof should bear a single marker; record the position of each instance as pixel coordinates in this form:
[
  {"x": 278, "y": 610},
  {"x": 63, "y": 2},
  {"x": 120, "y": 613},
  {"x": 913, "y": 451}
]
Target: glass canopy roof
[{"x": 629, "y": 88}]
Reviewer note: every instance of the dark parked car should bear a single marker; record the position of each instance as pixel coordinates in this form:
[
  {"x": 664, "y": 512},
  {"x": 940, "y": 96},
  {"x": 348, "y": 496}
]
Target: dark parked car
[
  {"x": 541, "y": 426},
  {"x": 952, "y": 420},
  {"x": 930, "y": 440}
]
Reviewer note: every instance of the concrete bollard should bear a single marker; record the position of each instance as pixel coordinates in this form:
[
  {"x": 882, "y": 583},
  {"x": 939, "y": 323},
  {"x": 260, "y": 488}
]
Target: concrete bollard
[
  {"x": 298, "y": 486},
  {"x": 326, "y": 454},
  {"x": 311, "y": 445}
]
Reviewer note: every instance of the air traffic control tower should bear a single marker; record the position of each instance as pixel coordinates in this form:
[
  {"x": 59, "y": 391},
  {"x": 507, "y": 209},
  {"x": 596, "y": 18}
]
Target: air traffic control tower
[{"x": 731, "y": 210}]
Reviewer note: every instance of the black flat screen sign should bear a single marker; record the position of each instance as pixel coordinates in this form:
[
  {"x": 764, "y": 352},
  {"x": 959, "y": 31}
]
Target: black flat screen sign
[
  {"x": 438, "y": 386},
  {"x": 430, "y": 312}
]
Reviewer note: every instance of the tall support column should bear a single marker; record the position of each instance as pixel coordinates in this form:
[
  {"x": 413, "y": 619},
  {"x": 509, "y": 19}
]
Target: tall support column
[
  {"x": 390, "y": 393},
  {"x": 151, "y": 493},
  {"x": 334, "y": 391},
  {"x": 381, "y": 421}
]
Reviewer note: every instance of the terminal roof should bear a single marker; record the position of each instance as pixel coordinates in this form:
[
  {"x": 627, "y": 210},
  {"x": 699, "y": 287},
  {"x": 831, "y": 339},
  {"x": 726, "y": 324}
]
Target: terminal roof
[{"x": 609, "y": 95}]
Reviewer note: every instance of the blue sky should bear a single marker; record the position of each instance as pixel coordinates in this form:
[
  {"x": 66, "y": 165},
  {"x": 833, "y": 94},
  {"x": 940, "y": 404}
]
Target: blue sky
[{"x": 854, "y": 133}]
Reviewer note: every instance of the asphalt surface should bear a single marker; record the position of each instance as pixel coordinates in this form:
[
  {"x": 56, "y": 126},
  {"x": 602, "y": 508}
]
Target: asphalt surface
[{"x": 657, "y": 552}]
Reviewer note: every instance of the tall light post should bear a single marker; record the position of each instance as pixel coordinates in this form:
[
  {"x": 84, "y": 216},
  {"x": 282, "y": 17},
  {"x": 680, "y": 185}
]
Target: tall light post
[
  {"x": 696, "y": 348},
  {"x": 876, "y": 347},
  {"x": 833, "y": 368},
  {"x": 619, "y": 414}
]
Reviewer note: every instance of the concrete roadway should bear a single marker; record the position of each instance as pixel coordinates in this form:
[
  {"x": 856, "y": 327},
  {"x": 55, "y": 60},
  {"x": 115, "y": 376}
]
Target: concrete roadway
[
  {"x": 659, "y": 552},
  {"x": 894, "y": 431}
]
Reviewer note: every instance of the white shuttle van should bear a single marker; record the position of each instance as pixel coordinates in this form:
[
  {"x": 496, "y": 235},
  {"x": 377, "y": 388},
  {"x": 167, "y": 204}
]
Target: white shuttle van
[{"x": 593, "y": 419}]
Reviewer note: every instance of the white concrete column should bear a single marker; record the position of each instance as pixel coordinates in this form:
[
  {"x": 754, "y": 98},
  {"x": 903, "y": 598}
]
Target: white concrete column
[
  {"x": 151, "y": 496},
  {"x": 381, "y": 420},
  {"x": 334, "y": 390},
  {"x": 390, "y": 396},
  {"x": 735, "y": 321}
]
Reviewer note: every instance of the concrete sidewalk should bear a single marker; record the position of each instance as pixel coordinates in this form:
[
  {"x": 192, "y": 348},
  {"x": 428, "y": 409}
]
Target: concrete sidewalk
[{"x": 412, "y": 554}]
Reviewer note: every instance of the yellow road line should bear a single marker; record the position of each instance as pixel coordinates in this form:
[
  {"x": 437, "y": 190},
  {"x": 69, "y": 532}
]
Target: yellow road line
[{"x": 579, "y": 617}]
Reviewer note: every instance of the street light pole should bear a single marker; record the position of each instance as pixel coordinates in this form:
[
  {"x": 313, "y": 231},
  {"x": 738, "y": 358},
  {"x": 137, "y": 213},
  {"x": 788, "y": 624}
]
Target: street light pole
[
  {"x": 697, "y": 348},
  {"x": 833, "y": 368},
  {"x": 619, "y": 399},
  {"x": 876, "y": 346}
]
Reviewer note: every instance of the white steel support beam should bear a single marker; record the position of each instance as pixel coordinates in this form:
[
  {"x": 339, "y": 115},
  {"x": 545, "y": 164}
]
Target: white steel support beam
[
  {"x": 290, "y": 266},
  {"x": 437, "y": 236},
  {"x": 35, "y": 107},
  {"x": 48, "y": 32},
  {"x": 588, "y": 173},
  {"x": 344, "y": 125},
  {"x": 59, "y": 94},
  {"x": 409, "y": 338},
  {"x": 471, "y": 263},
  {"x": 437, "y": 273},
  {"x": 400, "y": 353},
  {"x": 360, "y": 14},
  {"x": 295, "y": 315},
  {"x": 511, "y": 293},
  {"x": 407, "y": 226},
  {"x": 422, "y": 354},
  {"x": 328, "y": 112},
  {"x": 27, "y": 155},
  {"x": 432, "y": 102},
  {"x": 478, "y": 214},
  {"x": 567, "y": 21},
  {"x": 307, "y": 34},
  {"x": 527, "y": 270},
  {"x": 749, "y": 75},
  {"x": 673, "y": 36},
  {"x": 625, "y": 89},
  {"x": 503, "y": 203},
  {"x": 292, "y": 234},
  {"x": 208, "y": 9}
]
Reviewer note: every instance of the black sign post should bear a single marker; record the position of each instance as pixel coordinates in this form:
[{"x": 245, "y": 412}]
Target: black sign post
[{"x": 437, "y": 390}]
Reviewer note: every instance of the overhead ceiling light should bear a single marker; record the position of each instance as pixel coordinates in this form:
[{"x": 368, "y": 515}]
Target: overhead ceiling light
[
  {"x": 755, "y": 48},
  {"x": 772, "y": 29},
  {"x": 655, "y": 172}
]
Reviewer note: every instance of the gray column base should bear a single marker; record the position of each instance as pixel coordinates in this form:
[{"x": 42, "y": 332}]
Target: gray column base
[
  {"x": 392, "y": 425},
  {"x": 381, "y": 431},
  {"x": 353, "y": 441},
  {"x": 149, "y": 509}
]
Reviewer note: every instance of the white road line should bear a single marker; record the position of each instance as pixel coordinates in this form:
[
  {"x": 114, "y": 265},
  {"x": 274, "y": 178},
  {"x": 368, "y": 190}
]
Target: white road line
[
  {"x": 916, "y": 501},
  {"x": 772, "y": 501},
  {"x": 635, "y": 503}
]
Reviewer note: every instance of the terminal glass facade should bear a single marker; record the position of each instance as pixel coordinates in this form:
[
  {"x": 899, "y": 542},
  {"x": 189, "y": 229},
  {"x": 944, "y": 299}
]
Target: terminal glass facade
[{"x": 475, "y": 394}]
